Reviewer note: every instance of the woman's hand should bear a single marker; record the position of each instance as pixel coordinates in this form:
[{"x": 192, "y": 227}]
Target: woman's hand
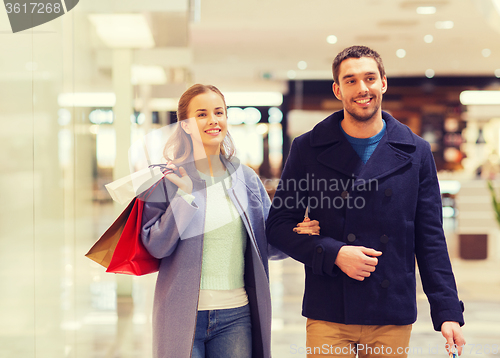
[
  {"x": 308, "y": 226},
  {"x": 183, "y": 181}
]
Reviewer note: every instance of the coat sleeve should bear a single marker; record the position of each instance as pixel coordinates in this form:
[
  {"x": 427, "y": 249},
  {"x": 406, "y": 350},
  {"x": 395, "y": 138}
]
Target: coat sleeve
[
  {"x": 288, "y": 207},
  {"x": 165, "y": 221},
  {"x": 431, "y": 250},
  {"x": 273, "y": 253}
]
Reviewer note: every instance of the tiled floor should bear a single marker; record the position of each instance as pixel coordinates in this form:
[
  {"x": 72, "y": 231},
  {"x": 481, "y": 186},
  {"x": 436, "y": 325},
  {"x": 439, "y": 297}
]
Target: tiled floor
[{"x": 55, "y": 303}]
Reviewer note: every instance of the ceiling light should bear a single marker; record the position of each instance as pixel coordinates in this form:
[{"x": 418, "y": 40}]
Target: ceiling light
[
  {"x": 291, "y": 74},
  {"x": 426, "y": 10},
  {"x": 497, "y": 73},
  {"x": 100, "y": 116},
  {"x": 302, "y": 65},
  {"x": 148, "y": 75},
  {"x": 262, "y": 128},
  {"x": 428, "y": 38},
  {"x": 123, "y": 30},
  {"x": 140, "y": 119},
  {"x": 444, "y": 25},
  {"x": 332, "y": 39},
  {"x": 429, "y": 73},
  {"x": 252, "y": 115},
  {"x": 253, "y": 98},
  {"x": 486, "y": 52},
  {"x": 86, "y": 99},
  {"x": 275, "y": 115},
  {"x": 401, "y": 53},
  {"x": 235, "y": 116},
  {"x": 480, "y": 97}
]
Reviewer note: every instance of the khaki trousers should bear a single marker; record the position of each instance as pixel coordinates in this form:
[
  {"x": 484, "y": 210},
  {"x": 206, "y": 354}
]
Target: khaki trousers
[{"x": 328, "y": 339}]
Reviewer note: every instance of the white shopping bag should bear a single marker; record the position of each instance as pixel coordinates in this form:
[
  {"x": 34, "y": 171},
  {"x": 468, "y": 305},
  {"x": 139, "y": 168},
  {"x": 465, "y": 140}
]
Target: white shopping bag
[{"x": 125, "y": 189}]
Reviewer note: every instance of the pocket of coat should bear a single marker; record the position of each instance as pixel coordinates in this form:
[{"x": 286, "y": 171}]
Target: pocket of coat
[{"x": 410, "y": 246}]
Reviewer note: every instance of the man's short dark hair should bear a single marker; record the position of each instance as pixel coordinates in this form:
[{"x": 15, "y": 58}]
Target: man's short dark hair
[{"x": 356, "y": 52}]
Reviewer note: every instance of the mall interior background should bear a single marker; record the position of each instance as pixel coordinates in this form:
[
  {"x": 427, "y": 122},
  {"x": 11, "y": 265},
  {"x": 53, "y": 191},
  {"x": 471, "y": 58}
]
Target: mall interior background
[{"x": 78, "y": 92}]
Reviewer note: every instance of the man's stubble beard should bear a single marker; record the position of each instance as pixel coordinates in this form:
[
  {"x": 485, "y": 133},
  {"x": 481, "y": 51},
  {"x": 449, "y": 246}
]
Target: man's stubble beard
[{"x": 364, "y": 119}]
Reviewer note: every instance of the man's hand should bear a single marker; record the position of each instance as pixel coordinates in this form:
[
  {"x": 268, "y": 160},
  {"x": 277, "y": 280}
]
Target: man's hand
[
  {"x": 454, "y": 337},
  {"x": 308, "y": 226},
  {"x": 357, "y": 262}
]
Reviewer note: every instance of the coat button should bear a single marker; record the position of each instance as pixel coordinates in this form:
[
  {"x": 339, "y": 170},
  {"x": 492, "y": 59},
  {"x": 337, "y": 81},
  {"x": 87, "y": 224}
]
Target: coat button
[
  {"x": 384, "y": 239},
  {"x": 319, "y": 249},
  {"x": 344, "y": 194},
  {"x": 351, "y": 237},
  {"x": 388, "y": 192},
  {"x": 385, "y": 283}
]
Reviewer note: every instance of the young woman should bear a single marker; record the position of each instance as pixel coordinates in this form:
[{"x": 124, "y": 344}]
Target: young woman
[{"x": 206, "y": 224}]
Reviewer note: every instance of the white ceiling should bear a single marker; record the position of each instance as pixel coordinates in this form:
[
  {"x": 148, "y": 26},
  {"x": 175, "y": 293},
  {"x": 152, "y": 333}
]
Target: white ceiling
[
  {"x": 237, "y": 42},
  {"x": 248, "y": 45},
  {"x": 251, "y": 45}
]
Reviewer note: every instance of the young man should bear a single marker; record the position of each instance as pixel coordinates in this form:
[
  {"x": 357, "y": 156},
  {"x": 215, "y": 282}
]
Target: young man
[{"x": 372, "y": 184}]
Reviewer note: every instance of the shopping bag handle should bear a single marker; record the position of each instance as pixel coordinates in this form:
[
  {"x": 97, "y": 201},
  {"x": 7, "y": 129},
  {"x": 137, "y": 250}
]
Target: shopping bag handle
[{"x": 163, "y": 167}]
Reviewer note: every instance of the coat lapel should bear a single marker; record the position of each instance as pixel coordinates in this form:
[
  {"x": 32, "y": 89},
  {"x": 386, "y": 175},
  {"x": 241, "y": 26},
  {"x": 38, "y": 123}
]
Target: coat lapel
[
  {"x": 338, "y": 153},
  {"x": 340, "y": 156},
  {"x": 384, "y": 161}
]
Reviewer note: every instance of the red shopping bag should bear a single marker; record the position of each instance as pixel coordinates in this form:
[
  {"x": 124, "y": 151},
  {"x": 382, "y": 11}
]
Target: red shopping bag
[
  {"x": 120, "y": 248},
  {"x": 130, "y": 256}
]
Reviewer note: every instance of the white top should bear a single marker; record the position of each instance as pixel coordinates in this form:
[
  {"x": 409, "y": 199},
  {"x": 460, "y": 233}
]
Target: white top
[{"x": 222, "y": 284}]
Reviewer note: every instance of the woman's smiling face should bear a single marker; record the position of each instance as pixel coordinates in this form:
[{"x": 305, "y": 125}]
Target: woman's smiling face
[{"x": 207, "y": 122}]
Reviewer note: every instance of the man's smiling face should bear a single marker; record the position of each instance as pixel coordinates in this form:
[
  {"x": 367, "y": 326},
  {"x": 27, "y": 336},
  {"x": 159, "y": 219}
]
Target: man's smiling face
[{"x": 360, "y": 88}]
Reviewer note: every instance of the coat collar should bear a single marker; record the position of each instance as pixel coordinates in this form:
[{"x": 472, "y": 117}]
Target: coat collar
[
  {"x": 328, "y": 131},
  {"x": 339, "y": 154}
]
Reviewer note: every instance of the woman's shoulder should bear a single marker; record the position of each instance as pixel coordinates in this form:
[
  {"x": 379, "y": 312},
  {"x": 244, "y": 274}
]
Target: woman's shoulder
[
  {"x": 252, "y": 180},
  {"x": 242, "y": 169},
  {"x": 248, "y": 171}
]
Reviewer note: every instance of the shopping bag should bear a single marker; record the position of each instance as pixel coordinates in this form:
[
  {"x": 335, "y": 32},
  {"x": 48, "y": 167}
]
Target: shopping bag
[
  {"x": 130, "y": 256},
  {"x": 125, "y": 189},
  {"x": 120, "y": 248},
  {"x": 103, "y": 249}
]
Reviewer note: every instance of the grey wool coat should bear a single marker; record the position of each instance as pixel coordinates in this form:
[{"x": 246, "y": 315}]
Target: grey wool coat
[{"x": 173, "y": 232}]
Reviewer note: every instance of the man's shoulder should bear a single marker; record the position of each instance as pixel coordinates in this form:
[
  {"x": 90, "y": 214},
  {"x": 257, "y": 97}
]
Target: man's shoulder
[
  {"x": 323, "y": 132},
  {"x": 418, "y": 141},
  {"x": 400, "y": 133}
]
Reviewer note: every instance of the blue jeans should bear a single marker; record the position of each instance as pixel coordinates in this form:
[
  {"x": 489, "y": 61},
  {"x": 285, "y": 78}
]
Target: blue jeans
[{"x": 223, "y": 333}]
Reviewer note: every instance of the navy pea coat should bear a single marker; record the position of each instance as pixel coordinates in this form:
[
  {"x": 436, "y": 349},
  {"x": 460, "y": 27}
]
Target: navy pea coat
[{"x": 391, "y": 204}]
